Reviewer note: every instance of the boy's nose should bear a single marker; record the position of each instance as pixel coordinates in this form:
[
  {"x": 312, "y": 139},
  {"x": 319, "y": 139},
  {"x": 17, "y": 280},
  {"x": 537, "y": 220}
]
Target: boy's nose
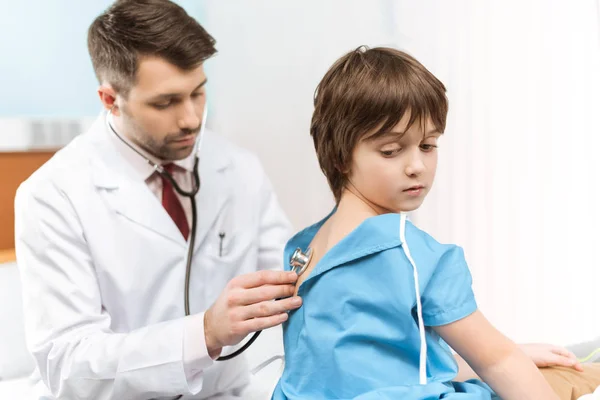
[{"x": 415, "y": 166}]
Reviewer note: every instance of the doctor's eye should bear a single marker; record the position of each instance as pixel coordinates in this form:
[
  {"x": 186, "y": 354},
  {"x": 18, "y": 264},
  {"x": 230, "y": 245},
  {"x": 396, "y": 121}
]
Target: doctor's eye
[{"x": 162, "y": 106}]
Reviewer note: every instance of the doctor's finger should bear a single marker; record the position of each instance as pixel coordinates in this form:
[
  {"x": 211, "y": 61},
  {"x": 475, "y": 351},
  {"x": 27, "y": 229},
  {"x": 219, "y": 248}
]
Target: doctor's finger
[
  {"x": 263, "y": 293},
  {"x": 269, "y": 308},
  {"x": 258, "y": 324},
  {"x": 260, "y": 278}
]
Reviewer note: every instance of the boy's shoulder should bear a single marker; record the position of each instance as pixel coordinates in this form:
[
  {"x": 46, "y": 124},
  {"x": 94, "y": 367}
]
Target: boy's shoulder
[
  {"x": 428, "y": 251},
  {"x": 379, "y": 235},
  {"x": 421, "y": 237}
]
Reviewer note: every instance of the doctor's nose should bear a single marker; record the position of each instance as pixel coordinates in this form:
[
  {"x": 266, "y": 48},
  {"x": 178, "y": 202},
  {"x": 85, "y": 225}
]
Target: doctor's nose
[{"x": 189, "y": 119}]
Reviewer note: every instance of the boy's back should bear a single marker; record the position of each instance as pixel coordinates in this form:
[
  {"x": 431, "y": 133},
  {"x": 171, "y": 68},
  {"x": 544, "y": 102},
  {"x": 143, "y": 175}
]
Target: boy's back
[{"x": 356, "y": 334}]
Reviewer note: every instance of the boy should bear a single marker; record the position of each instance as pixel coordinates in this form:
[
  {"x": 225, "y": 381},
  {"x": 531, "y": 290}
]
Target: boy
[{"x": 379, "y": 295}]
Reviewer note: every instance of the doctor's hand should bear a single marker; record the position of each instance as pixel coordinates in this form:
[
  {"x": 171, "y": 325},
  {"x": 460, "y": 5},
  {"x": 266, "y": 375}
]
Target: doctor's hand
[
  {"x": 249, "y": 304},
  {"x": 547, "y": 355}
]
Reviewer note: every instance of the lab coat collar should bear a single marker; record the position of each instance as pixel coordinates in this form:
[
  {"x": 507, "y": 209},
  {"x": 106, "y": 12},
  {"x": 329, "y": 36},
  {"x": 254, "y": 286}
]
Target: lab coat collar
[{"x": 130, "y": 196}]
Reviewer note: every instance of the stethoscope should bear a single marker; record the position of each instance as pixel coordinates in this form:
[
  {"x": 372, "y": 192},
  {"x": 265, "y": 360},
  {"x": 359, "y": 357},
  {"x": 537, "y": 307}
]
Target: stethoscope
[{"x": 299, "y": 260}]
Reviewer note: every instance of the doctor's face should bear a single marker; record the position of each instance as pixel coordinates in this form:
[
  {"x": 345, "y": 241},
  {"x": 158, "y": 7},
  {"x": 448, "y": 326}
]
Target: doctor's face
[
  {"x": 395, "y": 172},
  {"x": 163, "y": 111}
]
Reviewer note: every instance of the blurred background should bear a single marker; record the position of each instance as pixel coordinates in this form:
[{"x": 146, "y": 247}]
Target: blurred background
[{"x": 518, "y": 180}]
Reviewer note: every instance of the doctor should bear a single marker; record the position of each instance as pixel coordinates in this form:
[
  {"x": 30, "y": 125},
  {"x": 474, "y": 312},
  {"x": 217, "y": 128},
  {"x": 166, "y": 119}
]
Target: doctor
[{"x": 101, "y": 237}]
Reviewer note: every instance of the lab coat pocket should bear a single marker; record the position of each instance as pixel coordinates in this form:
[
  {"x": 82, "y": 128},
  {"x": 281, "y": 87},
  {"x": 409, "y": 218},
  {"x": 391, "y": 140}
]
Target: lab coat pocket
[
  {"x": 230, "y": 238},
  {"x": 223, "y": 246},
  {"x": 225, "y": 257}
]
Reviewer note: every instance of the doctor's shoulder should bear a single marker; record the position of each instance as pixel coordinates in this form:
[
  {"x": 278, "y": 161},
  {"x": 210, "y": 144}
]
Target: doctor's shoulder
[
  {"x": 69, "y": 166},
  {"x": 246, "y": 166}
]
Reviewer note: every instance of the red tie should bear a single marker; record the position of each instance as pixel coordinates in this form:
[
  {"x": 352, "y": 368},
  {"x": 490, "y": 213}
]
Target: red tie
[{"x": 172, "y": 204}]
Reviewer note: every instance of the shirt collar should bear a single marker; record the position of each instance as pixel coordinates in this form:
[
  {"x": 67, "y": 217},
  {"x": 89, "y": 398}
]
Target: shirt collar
[{"x": 139, "y": 164}]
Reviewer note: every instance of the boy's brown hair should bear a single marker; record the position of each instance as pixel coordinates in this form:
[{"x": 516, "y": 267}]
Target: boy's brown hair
[
  {"x": 368, "y": 90},
  {"x": 131, "y": 29}
]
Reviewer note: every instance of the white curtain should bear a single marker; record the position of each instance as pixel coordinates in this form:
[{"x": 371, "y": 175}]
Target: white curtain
[
  {"x": 518, "y": 178},
  {"x": 520, "y": 168}
]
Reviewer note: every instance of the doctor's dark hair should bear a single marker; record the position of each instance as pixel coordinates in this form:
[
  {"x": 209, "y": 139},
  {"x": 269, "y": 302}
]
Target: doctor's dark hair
[
  {"x": 131, "y": 29},
  {"x": 367, "y": 92}
]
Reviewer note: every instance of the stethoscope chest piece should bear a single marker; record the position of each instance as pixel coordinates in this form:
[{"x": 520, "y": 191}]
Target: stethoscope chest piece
[{"x": 299, "y": 260}]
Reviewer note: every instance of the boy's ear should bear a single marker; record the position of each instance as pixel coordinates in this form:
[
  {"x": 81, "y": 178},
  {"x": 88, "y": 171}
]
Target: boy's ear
[{"x": 344, "y": 169}]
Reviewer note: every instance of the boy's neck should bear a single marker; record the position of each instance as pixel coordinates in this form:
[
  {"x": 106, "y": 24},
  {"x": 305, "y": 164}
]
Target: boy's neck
[
  {"x": 355, "y": 204},
  {"x": 351, "y": 212}
]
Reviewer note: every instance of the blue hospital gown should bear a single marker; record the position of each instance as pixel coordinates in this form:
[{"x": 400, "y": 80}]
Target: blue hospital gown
[{"x": 356, "y": 335}]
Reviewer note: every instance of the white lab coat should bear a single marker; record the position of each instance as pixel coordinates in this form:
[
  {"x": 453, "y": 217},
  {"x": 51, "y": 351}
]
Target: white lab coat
[{"x": 103, "y": 267}]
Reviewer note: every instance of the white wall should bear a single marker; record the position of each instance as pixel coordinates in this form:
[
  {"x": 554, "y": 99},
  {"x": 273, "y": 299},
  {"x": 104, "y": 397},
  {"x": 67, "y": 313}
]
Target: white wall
[
  {"x": 271, "y": 56},
  {"x": 518, "y": 177},
  {"x": 45, "y": 69}
]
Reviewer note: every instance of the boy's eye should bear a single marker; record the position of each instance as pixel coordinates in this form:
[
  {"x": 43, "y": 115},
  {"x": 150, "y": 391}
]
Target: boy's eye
[
  {"x": 428, "y": 147},
  {"x": 389, "y": 152}
]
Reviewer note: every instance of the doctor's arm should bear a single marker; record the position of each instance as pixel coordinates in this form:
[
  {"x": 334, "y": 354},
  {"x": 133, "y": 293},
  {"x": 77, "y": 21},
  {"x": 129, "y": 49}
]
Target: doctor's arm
[
  {"x": 68, "y": 330},
  {"x": 496, "y": 359}
]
